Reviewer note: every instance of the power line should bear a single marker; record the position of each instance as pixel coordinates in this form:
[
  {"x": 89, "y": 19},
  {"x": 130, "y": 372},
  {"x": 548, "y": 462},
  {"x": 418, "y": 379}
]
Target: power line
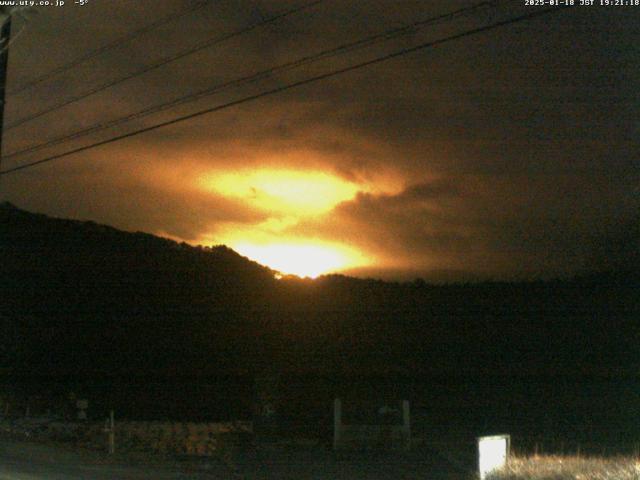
[
  {"x": 198, "y": 47},
  {"x": 110, "y": 46},
  {"x": 299, "y": 83},
  {"x": 14, "y": 37},
  {"x": 329, "y": 53}
]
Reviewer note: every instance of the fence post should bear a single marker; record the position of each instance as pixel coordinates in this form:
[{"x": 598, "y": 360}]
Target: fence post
[
  {"x": 406, "y": 423},
  {"x": 337, "y": 422},
  {"x": 112, "y": 433}
]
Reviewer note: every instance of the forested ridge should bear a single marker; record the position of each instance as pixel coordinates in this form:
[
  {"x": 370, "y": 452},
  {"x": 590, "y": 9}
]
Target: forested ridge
[{"x": 81, "y": 298}]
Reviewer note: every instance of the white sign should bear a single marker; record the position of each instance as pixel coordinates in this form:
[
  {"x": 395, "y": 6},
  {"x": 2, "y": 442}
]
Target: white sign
[{"x": 493, "y": 452}]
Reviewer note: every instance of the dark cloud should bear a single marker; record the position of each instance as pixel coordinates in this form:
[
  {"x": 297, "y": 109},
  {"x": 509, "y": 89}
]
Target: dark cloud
[{"x": 521, "y": 226}]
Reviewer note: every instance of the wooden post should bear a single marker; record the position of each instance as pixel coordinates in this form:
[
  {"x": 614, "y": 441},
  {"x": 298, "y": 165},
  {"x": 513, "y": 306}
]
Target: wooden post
[
  {"x": 112, "y": 433},
  {"x": 337, "y": 422},
  {"x": 406, "y": 423}
]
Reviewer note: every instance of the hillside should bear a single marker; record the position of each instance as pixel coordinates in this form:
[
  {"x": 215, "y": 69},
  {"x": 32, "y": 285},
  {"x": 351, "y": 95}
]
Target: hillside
[{"x": 77, "y": 296}]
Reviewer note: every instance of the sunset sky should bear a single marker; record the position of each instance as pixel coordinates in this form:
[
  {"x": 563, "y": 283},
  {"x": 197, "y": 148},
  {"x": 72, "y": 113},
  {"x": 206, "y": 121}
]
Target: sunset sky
[{"x": 507, "y": 154}]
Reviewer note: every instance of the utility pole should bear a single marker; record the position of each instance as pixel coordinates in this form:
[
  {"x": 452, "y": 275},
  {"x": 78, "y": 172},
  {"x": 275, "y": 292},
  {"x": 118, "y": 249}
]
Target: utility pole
[{"x": 5, "y": 37}]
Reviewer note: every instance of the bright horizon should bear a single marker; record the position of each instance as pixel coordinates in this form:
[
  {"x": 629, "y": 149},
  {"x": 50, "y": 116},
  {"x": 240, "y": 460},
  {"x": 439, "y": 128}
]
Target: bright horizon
[{"x": 287, "y": 198}]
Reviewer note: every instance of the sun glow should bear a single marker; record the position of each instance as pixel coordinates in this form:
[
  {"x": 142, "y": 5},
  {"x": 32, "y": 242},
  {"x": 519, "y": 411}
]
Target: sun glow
[
  {"x": 285, "y": 199},
  {"x": 283, "y": 191},
  {"x": 303, "y": 260}
]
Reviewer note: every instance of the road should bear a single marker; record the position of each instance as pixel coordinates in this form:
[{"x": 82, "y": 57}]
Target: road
[
  {"x": 20, "y": 460},
  {"x": 29, "y": 461}
]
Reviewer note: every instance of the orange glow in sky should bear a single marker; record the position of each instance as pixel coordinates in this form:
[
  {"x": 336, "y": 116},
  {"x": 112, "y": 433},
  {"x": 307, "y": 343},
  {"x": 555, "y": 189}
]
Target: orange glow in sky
[
  {"x": 288, "y": 197},
  {"x": 285, "y": 191},
  {"x": 303, "y": 260}
]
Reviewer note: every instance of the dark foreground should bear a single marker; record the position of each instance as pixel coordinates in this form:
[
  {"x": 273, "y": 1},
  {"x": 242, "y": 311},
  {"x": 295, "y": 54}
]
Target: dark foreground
[{"x": 29, "y": 461}]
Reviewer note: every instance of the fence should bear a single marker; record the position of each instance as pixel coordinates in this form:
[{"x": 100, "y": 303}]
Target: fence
[
  {"x": 383, "y": 435},
  {"x": 173, "y": 438}
]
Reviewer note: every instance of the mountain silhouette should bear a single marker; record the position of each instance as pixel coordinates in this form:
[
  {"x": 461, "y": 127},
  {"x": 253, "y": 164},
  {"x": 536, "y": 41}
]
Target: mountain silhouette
[{"x": 79, "y": 298}]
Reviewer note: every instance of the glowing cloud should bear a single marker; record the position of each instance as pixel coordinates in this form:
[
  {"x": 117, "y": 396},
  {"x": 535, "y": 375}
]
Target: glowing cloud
[
  {"x": 287, "y": 197},
  {"x": 283, "y": 191}
]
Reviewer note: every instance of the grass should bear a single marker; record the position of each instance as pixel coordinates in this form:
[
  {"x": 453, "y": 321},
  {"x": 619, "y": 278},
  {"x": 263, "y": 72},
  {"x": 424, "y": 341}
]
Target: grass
[{"x": 569, "y": 468}]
